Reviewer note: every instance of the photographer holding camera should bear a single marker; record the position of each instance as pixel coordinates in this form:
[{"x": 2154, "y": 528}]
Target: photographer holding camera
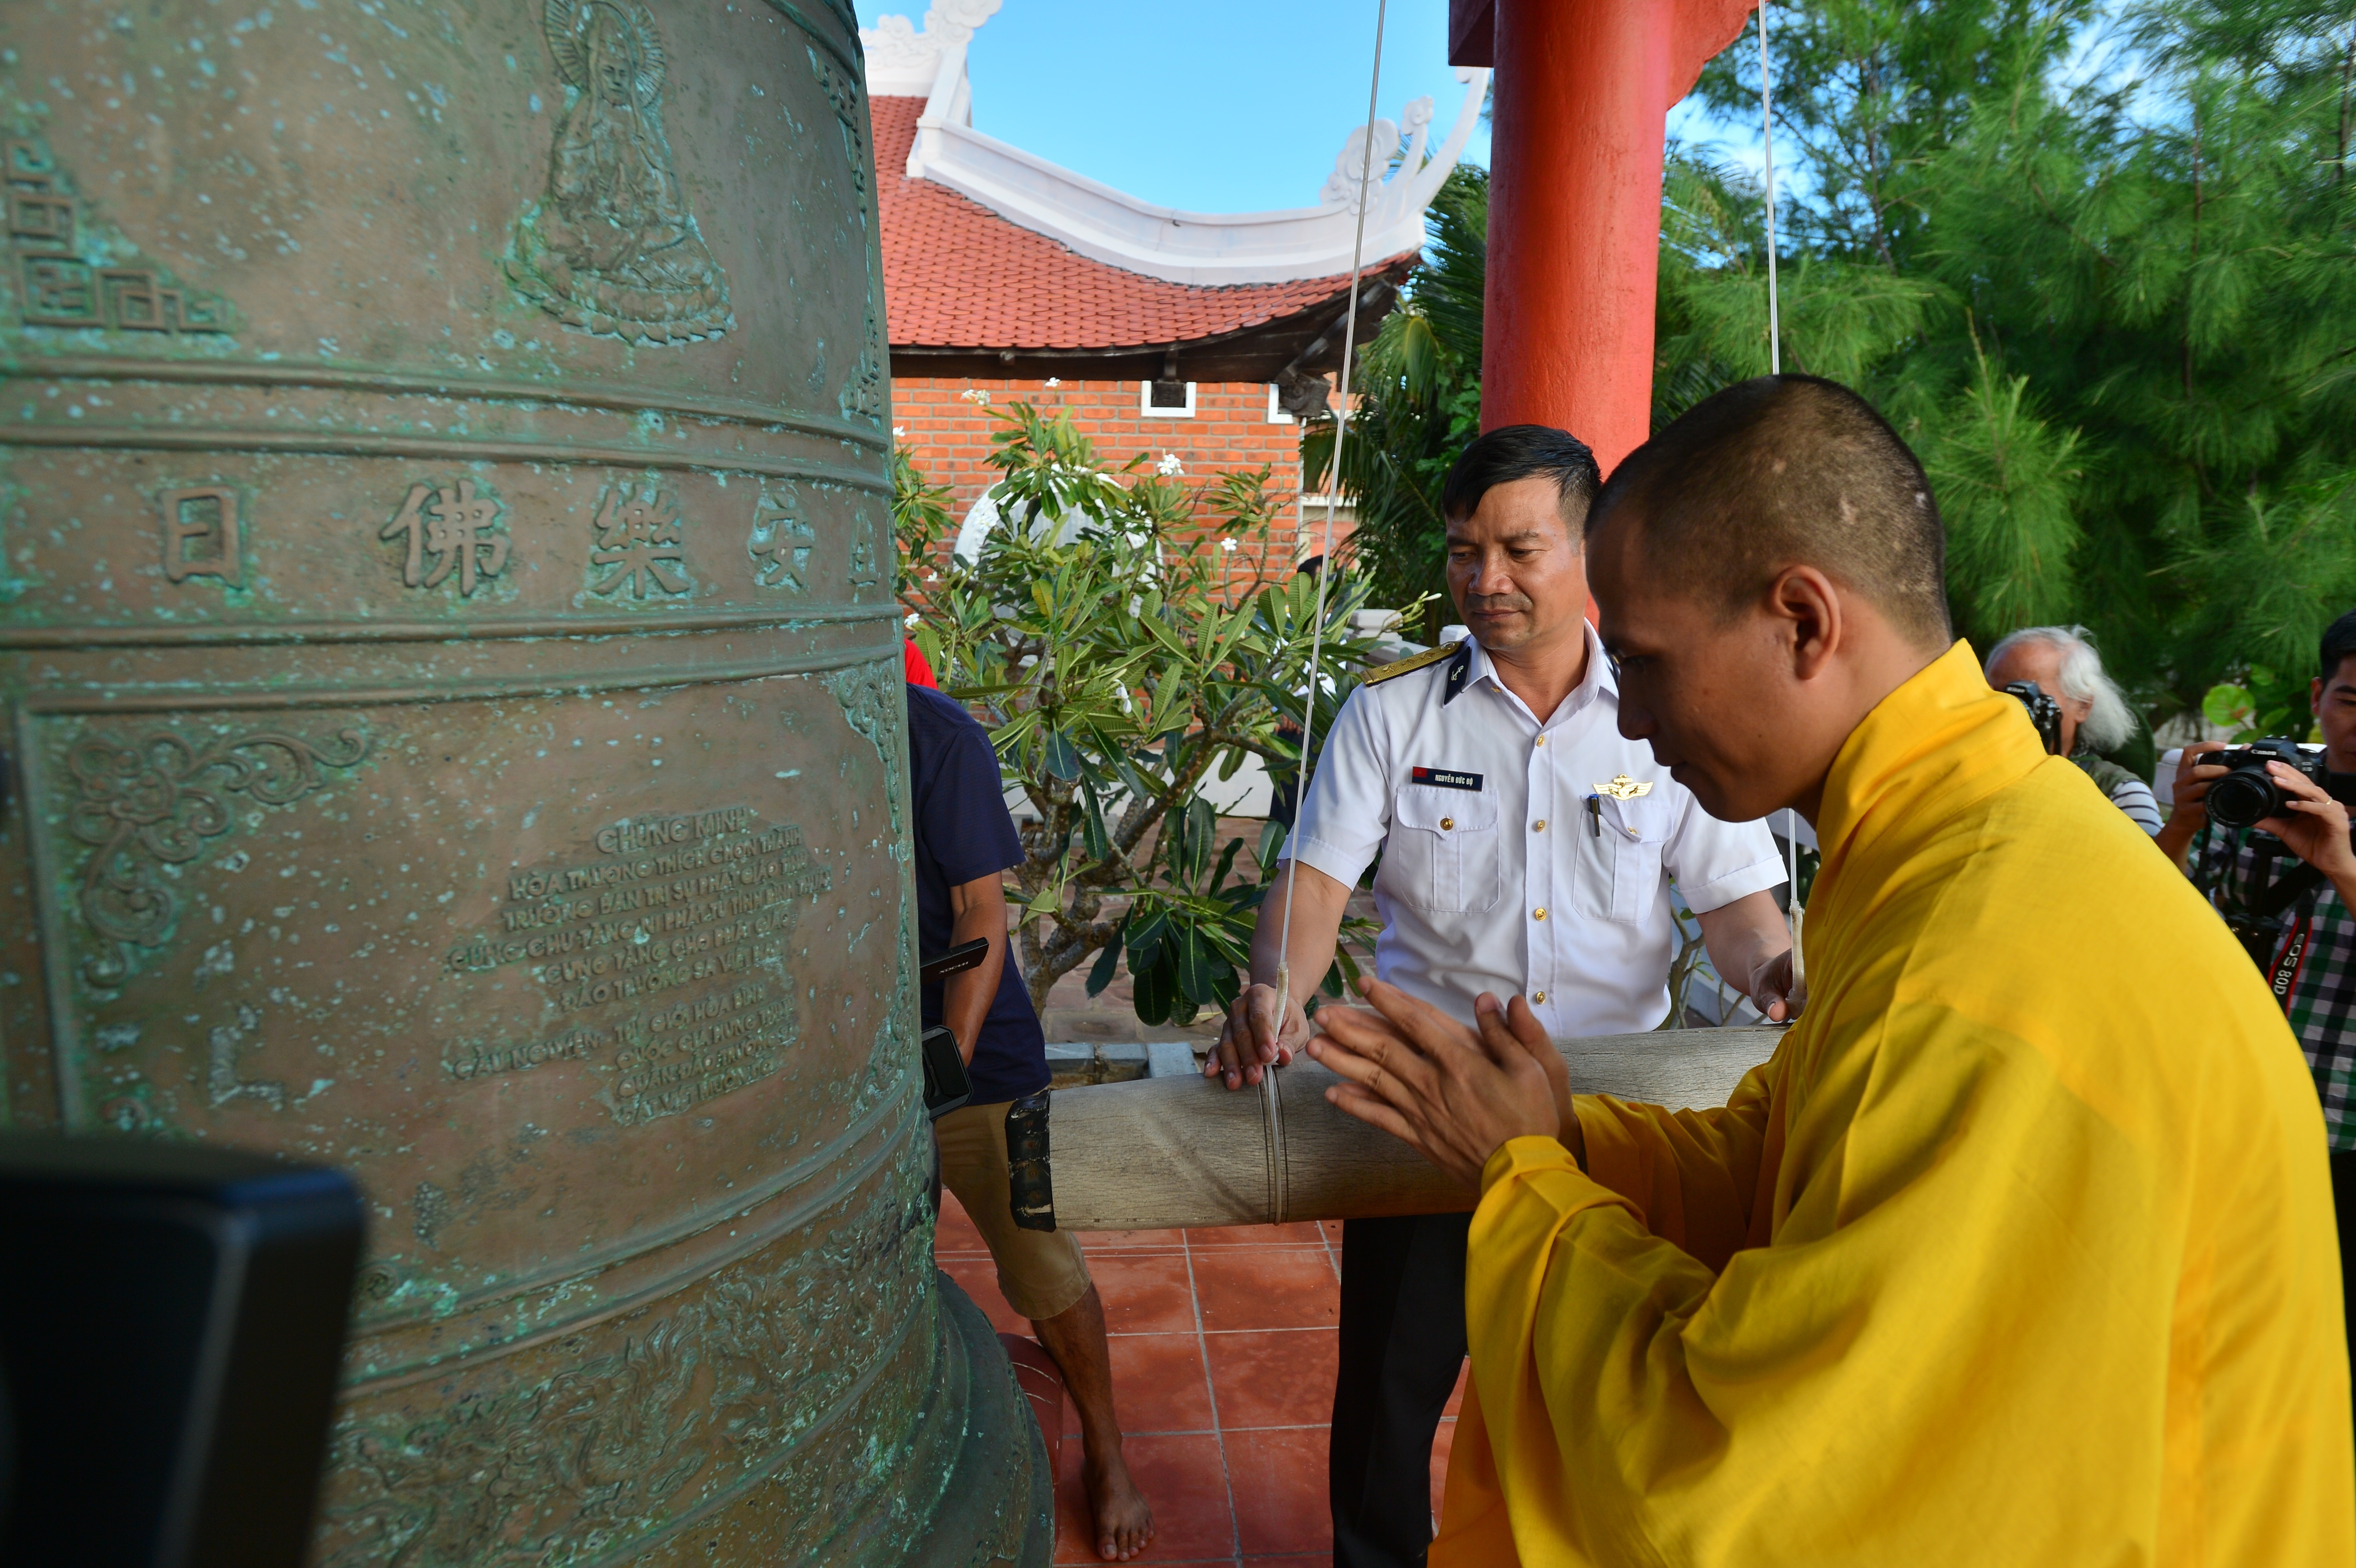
[
  {"x": 2079, "y": 710},
  {"x": 2267, "y": 826}
]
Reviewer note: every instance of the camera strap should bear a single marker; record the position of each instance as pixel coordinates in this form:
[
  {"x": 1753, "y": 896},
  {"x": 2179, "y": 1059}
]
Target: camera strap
[
  {"x": 2273, "y": 895},
  {"x": 2275, "y": 944},
  {"x": 2290, "y": 961},
  {"x": 2284, "y": 942}
]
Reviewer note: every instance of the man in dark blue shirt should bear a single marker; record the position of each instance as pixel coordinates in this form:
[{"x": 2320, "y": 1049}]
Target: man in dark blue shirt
[{"x": 965, "y": 842}]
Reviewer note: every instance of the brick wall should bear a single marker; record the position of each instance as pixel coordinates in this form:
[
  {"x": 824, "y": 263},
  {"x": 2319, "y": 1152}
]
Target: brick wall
[{"x": 946, "y": 426}]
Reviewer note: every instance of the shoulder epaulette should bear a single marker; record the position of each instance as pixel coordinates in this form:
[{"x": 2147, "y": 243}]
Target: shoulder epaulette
[{"x": 1412, "y": 663}]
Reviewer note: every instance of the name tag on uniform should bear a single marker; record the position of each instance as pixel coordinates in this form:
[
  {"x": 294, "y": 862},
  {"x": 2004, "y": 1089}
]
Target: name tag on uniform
[{"x": 1445, "y": 778}]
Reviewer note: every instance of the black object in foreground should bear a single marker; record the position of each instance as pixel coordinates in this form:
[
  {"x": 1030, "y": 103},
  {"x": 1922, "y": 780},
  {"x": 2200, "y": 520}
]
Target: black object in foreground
[
  {"x": 946, "y": 1086},
  {"x": 171, "y": 1321}
]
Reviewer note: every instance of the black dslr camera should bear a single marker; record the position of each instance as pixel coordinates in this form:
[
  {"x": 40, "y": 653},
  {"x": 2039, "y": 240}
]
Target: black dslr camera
[
  {"x": 2043, "y": 711},
  {"x": 2248, "y": 794}
]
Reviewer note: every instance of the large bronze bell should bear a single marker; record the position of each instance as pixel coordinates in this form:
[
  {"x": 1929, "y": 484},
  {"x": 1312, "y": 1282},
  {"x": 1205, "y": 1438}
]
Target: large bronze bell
[{"x": 455, "y": 733}]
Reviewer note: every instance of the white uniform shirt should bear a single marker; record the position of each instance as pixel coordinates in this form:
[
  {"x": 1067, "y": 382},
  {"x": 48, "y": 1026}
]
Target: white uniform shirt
[{"x": 1505, "y": 866}]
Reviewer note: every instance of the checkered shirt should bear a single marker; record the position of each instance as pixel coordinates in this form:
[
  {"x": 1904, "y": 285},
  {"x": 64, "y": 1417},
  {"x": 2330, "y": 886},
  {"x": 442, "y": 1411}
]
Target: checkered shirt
[{"x": 2321, "y": 1006}]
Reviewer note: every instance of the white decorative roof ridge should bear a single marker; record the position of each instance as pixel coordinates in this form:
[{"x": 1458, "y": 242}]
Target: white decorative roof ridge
[
  {"x": 1205, "y": 250},
  {"x": 904, "y": 60}
]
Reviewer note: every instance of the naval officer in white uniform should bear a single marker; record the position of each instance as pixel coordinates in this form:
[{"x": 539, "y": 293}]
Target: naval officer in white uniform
[{"x": 1527, "y": 849}]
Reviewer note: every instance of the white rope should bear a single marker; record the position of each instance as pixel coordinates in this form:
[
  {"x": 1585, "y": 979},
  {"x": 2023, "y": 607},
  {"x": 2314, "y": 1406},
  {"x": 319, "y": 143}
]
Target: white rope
[
  {"x": 1317, "y": 625},
  {"x": 1775, "y": 368},
  {"x": 1767, "y": 130}
]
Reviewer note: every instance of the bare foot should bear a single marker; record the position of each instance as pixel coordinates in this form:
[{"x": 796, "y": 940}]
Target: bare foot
[{"x": 1124, "y": 1523}]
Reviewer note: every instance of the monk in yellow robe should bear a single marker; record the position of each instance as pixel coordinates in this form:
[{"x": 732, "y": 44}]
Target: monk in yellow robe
[{"x": 2019, "y": 1249}]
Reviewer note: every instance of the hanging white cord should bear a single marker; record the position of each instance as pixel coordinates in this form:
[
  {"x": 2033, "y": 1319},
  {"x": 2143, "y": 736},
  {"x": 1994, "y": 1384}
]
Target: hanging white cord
[
  {"x": 1775, "y": 368},
  {"x": 1269, "y": 1101},
  {"x": 1767, "y": 136}
]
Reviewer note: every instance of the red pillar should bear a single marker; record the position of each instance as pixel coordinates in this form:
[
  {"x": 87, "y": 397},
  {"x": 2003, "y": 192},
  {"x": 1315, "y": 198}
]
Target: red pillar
[{"x": 1582, "y": 90}]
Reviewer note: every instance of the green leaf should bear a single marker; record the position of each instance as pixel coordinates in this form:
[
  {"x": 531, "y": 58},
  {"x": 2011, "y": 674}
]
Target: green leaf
[
  {"x": 1156, "y": 991},
  {"x": 1059, "y": 757},
  {"x": 1161, "y": 633},
  {"x": 1227, "y": 863},
  {"x": 1108, "y": 959},
  {"x": 1144, "y": 938},
  {"x": 2227, "y": 706},
  {"x": 1197, "y": 829},
  {"x": 1093, "y": 833},
  {"x": 1199, "y": 969},
  {"x": 1271, "y": 844}
]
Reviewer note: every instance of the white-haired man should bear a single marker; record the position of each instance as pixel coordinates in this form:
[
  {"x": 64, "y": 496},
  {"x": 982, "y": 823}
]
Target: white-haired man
[{"x": 2096, "y": 718}]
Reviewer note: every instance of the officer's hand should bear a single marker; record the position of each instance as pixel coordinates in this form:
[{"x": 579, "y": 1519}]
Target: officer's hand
[
  {"x": 1776, "y": 991},
  {"x": 2314, "y": 824},
  {"x": 1254, "y": 1034}
]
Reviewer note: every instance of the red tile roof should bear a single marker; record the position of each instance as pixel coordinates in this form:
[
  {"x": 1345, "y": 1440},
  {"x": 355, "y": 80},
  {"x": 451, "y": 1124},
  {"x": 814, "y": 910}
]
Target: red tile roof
[{"x": 958, "y": 275}]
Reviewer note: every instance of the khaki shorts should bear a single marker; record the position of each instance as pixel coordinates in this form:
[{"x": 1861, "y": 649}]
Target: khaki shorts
[{"x": 1040, "y": 1273}]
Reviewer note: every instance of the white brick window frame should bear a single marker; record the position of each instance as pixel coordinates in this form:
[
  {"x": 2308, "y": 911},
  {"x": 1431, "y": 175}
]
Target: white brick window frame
[
  {"x": 1147, "y": 409},
  {"x": 1276, "y": 414}
]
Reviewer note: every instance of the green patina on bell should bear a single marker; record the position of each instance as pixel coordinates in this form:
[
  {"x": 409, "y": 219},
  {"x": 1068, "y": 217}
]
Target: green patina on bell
[{"x": 455, "y": 707}]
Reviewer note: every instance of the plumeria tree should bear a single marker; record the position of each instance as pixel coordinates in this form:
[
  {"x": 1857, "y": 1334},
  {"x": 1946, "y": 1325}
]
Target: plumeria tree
[
  {"x": 920, "y": 516},
  {"x": 1121, "y": 670}
]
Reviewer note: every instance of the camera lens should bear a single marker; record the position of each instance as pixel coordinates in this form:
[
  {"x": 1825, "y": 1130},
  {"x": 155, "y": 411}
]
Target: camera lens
[{"x": 2243, "y": 798}]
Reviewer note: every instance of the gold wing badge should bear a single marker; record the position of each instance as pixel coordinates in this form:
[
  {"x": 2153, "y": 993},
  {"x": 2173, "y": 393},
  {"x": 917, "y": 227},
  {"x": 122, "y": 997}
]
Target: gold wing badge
[{"x": 1622, "y": 787}]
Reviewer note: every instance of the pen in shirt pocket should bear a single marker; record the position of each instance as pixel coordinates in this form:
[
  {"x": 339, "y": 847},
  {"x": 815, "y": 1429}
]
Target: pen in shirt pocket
[{"x": 1594, "y": 816}]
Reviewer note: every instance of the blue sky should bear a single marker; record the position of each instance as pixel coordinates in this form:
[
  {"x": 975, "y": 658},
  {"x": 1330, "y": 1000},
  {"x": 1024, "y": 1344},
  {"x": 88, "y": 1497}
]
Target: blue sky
[
  {"x": 1240, "y": 105},
  {"x": 1216, "y": 106}
]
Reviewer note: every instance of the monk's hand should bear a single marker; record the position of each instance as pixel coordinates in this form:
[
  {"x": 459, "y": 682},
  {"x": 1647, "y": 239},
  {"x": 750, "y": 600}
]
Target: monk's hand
[
  {"x": 1257, "y": 1031},
  {"x": 1453, "y": 1095},
  {"x": 1775, "y": 991}
]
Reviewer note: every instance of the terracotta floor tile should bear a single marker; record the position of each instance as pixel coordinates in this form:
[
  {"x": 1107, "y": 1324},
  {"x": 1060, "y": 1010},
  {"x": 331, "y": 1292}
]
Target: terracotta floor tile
[
  {"x": 1281, "y": 1498},
  {"x": 1157, "y": 1385},
  {"x": 1310, "y": 1560},
  {"x": 956, "y": 1231},
  {"x": 1265, "y": 1288},
  {"x": 1300, "y": 1234},
  {"x": 1184, "y": 1480},
  {"x": 1441, "y": 1446},
  {"x": 1144, "y": 1293},
  {"x": 1273, "y": 1377},
  {"x": 977, "y": 1277},
  {"x": 1095, "y": 1242}
]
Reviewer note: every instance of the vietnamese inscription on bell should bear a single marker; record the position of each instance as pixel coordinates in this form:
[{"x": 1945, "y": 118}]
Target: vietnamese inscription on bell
[{"x": 666, "y": 953}]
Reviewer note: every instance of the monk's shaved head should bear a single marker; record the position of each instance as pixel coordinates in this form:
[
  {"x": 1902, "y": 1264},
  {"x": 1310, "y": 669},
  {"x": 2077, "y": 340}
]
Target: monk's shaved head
[{"x": 1785, "y": 471}]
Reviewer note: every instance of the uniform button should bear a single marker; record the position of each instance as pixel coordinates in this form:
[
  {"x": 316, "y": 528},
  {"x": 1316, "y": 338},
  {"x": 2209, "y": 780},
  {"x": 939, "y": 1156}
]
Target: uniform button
[
  {"x": 1539, "y": 913},
  {"x": 1541, "y": 740},
  {"x": 1537, "y": 995},
  {"x": 1539, "y": 825},
  {"x": 1446, "y": 823}
]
